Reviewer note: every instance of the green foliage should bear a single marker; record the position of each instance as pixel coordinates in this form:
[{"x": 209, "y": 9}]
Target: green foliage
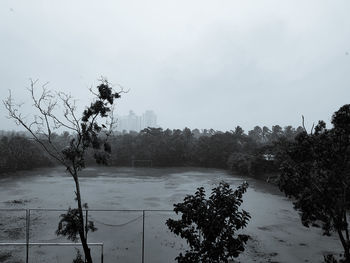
[
  {"x": 252, "y": 164},
  {"x": 241, "y": 163},
  {"x": 241, "y": 153},
  {"x": 235, "y": 150},
  {"x": 20, "y": 153},
  {"x": 70, "y": 225},
  {"x": 331, "y": 259},
  {"x": 89, "y": 134},
  {"x": 78, "y": 258},
  {"x": 210, "y": 225},
  {"x": 315, "y": 172}
]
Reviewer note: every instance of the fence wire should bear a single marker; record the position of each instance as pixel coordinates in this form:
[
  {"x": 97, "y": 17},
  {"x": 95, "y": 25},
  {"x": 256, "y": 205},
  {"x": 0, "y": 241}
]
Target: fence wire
[{"x": 88, "y": 215}]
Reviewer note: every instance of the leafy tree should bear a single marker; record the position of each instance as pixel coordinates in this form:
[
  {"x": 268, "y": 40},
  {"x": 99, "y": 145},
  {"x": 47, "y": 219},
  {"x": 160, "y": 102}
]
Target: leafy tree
[
  {"x": 266, "y": 134},
  {"x": 289, "y": 132},
  {"x": 316, "y": 174},
  {"x": 210, "y": 225},
  {"x": 239, "y": 131},
  {"x": 196, "y": 133},
  {"x": 90, "y": 131},
  {"x": 78, "y": 258},
  {"x": 256, "y": 134},
  {"x": 20, "y": 153},
  {"x": 241, "y": 163},
  {"x": 276, "y": 133}
]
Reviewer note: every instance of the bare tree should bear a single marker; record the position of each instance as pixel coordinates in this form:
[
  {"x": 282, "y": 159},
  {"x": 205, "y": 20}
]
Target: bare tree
[{"x": 57, "y": 112}]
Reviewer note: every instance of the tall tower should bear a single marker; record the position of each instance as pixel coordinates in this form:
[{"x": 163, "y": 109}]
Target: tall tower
[
  {"x": 133, "y": 122},
  {"x": 149, "y": 119}
]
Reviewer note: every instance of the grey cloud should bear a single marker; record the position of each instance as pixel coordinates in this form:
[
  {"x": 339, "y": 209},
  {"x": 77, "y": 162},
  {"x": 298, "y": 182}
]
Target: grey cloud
[{"x": 205, "y": 64}]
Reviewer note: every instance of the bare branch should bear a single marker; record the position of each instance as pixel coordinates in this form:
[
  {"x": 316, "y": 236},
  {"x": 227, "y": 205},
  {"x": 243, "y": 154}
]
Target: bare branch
[
  {"x": 69, "y": 113},
  {"x": 121, "y": 89},
  {"x": 105, "y": 80},
  {"x": 92, "y": 92},
  {"x": 13, "y": 112}
]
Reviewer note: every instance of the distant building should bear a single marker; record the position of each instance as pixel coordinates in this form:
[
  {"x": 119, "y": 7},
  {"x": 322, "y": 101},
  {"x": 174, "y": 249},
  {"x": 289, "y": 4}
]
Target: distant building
[
  {"x": 149, "y": 119},
  {"x": 133, "y": 122}
]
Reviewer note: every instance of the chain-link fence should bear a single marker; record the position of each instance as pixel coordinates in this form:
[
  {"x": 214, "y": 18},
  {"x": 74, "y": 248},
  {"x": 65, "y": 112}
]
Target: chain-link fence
[{"x": 28, "y": 235}]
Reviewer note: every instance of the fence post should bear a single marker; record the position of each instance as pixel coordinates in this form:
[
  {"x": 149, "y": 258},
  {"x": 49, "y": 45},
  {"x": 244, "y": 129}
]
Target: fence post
[
  {"x": 143, "y": 236},
  {"x": 27, "y": 234},
  {"x": 86, "y": 224},
  {"x": 102, "y": 253}
]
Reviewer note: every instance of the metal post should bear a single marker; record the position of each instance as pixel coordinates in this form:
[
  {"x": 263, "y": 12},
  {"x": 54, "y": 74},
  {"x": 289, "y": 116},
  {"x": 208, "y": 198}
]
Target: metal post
[
  {"x": 143, "y": 236},
  {"x": 27, "y": 234},
  {"x": 86, "y": 224},
  {"x": 102, "y": 253}
]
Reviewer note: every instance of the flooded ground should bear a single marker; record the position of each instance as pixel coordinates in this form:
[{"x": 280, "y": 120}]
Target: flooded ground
[{"x": 275, "y": 229}]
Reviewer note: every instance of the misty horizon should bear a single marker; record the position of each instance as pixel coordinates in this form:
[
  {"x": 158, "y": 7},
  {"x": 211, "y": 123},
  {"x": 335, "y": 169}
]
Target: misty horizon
[{"x": 198, "y": 64}]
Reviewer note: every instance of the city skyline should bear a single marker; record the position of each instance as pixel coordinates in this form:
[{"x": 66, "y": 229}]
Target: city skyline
[{"x": 133, "y": 122}]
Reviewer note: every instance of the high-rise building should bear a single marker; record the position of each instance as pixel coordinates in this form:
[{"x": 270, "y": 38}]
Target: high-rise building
[
  {"x": 133, "y": 122},
  {"x": 149, "y": 119}
]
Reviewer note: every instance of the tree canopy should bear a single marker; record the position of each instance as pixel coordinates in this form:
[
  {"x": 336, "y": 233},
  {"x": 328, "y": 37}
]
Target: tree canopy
[
  {"x": 316, "y": 174},
  {"x": 210, "y": 225}
]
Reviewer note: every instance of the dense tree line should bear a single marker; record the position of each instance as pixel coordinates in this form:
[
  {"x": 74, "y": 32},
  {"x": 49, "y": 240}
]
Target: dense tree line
[
  {"x": 17, "y": 152},
  {"x": 252, "y": 153}
]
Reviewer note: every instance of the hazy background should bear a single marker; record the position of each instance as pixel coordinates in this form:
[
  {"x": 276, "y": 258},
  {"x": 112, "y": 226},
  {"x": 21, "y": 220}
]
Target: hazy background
[{"x": 201, "y": 64}]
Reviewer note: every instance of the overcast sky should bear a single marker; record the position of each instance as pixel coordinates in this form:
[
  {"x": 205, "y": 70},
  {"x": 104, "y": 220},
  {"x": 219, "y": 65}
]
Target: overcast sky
[{"x": 200, "y": 64}]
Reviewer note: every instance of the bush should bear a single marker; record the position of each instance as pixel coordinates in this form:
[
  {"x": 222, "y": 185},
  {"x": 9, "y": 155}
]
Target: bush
[{"x": 210, "y": 225}]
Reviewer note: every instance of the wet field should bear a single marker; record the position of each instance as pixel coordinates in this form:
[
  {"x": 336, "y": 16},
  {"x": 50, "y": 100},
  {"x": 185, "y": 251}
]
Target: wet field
[{"x": 275, "y": 228}]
